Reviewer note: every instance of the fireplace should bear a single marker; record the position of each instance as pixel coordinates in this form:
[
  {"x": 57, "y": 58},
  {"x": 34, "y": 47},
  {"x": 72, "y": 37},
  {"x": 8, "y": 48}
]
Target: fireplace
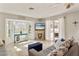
[
  {"x": 40, "y": 31},
  {"x": 40, "y": 34}
]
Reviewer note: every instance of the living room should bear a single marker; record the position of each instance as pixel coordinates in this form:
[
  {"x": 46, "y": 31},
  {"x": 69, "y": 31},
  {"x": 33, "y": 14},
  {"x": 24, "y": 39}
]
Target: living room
[{"x": 25, "y": 27}]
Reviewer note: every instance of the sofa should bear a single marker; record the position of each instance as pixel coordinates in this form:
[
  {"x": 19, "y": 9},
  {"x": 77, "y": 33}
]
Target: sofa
[{"x": 72, "y": 51}]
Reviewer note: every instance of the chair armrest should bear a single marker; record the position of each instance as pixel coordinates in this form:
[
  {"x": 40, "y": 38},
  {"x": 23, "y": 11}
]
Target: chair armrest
[{"x": 33, "y": 52}]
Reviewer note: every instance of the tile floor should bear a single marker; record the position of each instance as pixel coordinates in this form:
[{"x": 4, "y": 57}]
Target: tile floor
[
  {"x": 21, "y": 48},
  {"x": 2, "y": 51}
]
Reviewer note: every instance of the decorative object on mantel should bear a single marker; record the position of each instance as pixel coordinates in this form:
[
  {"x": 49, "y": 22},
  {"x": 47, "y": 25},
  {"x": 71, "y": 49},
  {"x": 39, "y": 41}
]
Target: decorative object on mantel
[
  {"x": 75, "y": 22},
  {"x": 68, "y": 5}
]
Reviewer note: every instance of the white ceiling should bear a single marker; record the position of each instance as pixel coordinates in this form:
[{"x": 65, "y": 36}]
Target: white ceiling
[{"x": 41, "y": 10}]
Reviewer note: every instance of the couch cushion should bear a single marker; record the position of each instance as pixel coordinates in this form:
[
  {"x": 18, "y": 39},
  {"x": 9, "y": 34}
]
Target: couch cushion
[
  {"x": 66, "y": 44},
  {"x": 47, "y": 51},
  {"x": 58, "y": 43},
  {"x": 59, "y": 52}
]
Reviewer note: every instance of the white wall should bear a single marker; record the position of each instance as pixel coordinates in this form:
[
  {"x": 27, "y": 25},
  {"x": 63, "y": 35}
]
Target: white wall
[
  {"x": 34, "y": 21},
  {"x": 48, "y": 32},
  {"x": 61, "y": 28},
  {"x": 2, "y": 23},
  {"x": 4, "y": 16},
  {"x": 49, "y": 21},
  {"x": 47, "y": 29},
  {"x": 71, "y": 29}
]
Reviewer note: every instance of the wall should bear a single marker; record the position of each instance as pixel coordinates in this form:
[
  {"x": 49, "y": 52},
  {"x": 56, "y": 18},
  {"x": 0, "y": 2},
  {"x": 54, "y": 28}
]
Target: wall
[
  {"x": 61, "y": 28},
  {"x": 50, "y": 23},
  {"x": 4, "y": 16},
  {"x": 48, "y": 30},
  {"x": 71, "y": 29},
  {"x": 37, "y": 21}
]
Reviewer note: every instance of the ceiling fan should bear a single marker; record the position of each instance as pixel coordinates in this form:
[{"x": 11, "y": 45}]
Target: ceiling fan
[{"x": 68, "y": 5}]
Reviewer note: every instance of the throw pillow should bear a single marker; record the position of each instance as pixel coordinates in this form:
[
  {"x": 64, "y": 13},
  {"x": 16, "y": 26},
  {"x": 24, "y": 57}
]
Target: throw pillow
[
  {"x": 53, "y": 53},
  {"x": 58, "y": 43},
  {"x": 72, "y": 41},
  {"x": 63, "y": 49},
  {"x": 58, "y": 52},
  {"x": 66, "y": 44}
]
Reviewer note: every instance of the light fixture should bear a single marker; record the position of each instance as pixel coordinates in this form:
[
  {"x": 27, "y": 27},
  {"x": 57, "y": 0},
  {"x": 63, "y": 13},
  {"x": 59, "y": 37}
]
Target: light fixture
[
  {"x": 31, "y": 8},
  {"x": 75, "y": 22}
]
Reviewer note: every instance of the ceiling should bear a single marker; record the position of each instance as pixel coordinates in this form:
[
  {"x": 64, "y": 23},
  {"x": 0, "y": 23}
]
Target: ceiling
[{"x": 41, "y": 10}]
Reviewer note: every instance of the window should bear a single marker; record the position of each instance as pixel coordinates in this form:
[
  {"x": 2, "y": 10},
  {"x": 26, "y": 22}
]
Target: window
[{"x": 19, "y": 30}]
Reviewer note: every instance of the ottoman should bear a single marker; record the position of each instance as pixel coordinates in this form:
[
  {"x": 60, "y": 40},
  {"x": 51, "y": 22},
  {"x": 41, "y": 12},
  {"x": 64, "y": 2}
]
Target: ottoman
[{"x": 37, "y": 46}]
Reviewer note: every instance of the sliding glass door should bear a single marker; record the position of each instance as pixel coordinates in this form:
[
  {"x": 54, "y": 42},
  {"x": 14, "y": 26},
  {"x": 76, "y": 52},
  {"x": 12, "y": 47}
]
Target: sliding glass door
[{"x": 19, "y": 30}]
